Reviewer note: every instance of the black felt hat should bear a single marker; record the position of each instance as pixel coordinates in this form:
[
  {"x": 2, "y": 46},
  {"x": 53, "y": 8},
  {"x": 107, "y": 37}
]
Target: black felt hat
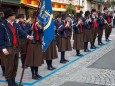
[
  {"x": 8, "y": 12},
  {"x": 100, "y": 14},
  {"x": 58, "y": 16},
  {"x": 87, "y": 13},
  {"x": 81, "y": 12},
  {"x": 78, "y": 15},
  {"x": 20, "y": 16},
  {"x": 93, "y": 10},
  {"x": 105, "y": 8},
  {"x": 34, "y": 14},
  {"x": 64, "y": 16}
]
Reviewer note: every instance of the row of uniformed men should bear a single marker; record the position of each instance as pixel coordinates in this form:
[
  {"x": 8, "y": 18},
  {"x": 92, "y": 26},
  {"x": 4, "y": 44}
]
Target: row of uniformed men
[
  {"x": 85, "y": 29},
  {"x": 14, "y": 33}
]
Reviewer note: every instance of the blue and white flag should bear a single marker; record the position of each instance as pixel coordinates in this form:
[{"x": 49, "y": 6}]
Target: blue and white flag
[{"x": 46, "y": 16}]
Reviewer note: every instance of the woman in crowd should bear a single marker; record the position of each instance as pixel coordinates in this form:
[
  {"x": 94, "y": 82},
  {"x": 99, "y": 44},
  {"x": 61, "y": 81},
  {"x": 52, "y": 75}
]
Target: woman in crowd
[
  {"x": 87, "y": 31},
  {"x": 78, "y": 34},
  {"x": 35, "y": 54}
]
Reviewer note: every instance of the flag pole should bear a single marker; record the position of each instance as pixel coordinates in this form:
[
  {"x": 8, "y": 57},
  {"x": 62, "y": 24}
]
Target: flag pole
[{"x": 28, "y": 48}]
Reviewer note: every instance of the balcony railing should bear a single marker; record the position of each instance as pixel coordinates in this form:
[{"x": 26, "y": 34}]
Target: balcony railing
[
  {"x": 11, "y": 1},
  {"x": 99, "y": 1}
]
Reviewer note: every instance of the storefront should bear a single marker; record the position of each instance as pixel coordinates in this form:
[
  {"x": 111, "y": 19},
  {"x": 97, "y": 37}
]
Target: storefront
[
  {"x": 29, "y": 6},
  {"x": 61, "y": 7}
]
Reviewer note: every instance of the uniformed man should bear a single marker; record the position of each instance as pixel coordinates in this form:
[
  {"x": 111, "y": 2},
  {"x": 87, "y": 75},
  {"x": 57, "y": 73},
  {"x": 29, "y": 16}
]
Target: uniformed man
[
  {"x": 64, "y": 30},
  {"x": 9, "y": 45},
  {"x": 101, "y": 23},
  {"x": 78, "y": 34},
  {"x": 94, "y": 27},
  {"x": 23, "y": 40},
  {"x": 108, "y": 27},
  {"x": 87, "y": 30}
]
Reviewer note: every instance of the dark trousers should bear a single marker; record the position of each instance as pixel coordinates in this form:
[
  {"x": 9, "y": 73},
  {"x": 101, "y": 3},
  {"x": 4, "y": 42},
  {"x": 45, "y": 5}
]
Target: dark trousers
[
  {"x": 94, "y": 33},
  {"x": 11, "y": 63},
  {"x": 2, "y": 67},
  {"x": 85, "y": 45},
  {"x": 62, "y": 56},
  {"x": 108, "y": 30},
  {"x": 78, "y": 52},
  {"x": 100, "y": 34},
  {"x": 23, "y": 50},
  {"x": 34, "y": 70},
  {"x": 49, "y": 63},
  {"x": 23, "y": 57},
  {"x": 113, "y": 22}
]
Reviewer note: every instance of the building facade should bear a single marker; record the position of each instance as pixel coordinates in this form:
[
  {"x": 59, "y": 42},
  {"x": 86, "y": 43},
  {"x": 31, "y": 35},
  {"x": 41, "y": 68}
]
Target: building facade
[
  {"x": 90, "y": 4},
  {"x": 60, "y": 5}
]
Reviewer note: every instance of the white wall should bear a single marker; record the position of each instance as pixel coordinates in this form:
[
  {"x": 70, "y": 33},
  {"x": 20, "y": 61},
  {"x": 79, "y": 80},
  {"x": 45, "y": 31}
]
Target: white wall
[{"x": 87, "y": 6}]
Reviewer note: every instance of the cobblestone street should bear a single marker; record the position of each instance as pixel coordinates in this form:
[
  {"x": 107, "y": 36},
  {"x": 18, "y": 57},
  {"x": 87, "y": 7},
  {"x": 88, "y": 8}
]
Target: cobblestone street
[{"x": 87, "y": 70}]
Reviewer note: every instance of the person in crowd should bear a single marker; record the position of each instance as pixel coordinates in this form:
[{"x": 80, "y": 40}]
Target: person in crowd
[
  {"x": 9, "y": 45},
  {"x": 101, "y": 22},
  {"x": 94, "y": 18},
  {"x": 78, "y": 34},
  {"x": 64, "y": 30},
  {"x": 50, "y": 55},
  {"x": 108, "y": 26},
  {"x": 23, "y": 40},
  {"x": 87, "y": 31},
  {"x": 34, "y": 51}
]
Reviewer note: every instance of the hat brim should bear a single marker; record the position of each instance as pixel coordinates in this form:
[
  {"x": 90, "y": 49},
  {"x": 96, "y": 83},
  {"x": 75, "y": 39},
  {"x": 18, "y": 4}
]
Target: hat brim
[
  {"x": 63, "y": 18},
  {"x": 105, "y": 9},
  {"x": 11, "y": 14}
]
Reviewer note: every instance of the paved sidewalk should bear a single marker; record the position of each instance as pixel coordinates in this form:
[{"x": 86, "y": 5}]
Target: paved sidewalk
[{"x": 76, "y": 70}]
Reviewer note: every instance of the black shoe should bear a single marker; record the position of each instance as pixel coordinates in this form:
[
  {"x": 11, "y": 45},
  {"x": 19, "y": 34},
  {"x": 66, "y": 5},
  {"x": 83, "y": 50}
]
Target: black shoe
[
  {"x": 35, "y": 77},
  {"x": 63, "y": 62},
  {"x": 100, "y": 44},
  {"x": 66, "y": 60},
  {"x": 9, "y": 82},
  {"x": 38, "y": 76},
  {"x": 107, "y": 40},
  {"x": 92, "y": 47},
  {"x": 86, "y": 50},
  {"x": 53, "y": 68},
  {"x": 95, "y": 46},
  {"x": 14, "y": 83},
  {"x": 79, "y": 55},
  {"x": 50, "y": 68}
]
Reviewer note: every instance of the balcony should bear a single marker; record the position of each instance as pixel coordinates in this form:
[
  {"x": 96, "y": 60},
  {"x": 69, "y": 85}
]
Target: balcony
[
  {"x": 97, "y": 1},
  {"x": 11, "y": 1}
]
